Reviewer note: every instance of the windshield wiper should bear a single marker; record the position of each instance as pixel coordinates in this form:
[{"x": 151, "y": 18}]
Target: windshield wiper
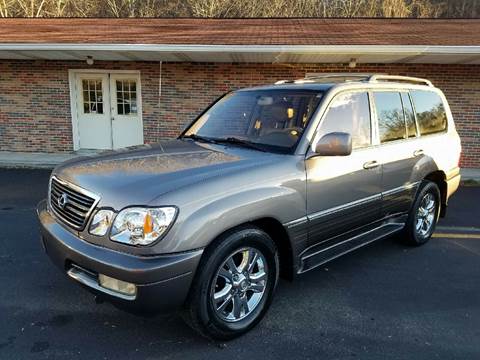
[
  {"x": 229, "y": 140},
  {"x": 196, "y": 137},
  {"x": 241, "y": 142}
]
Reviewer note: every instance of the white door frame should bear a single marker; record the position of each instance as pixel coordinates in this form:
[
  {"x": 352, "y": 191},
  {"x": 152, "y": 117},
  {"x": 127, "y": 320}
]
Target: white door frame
[{"x": 72, "y": 73}]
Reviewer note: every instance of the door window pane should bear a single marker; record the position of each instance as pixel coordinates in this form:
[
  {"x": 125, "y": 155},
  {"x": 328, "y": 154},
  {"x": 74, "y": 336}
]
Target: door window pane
[
  {"x": 409, "y": 115},
  {"x": 92, "y": 96},
  {"x": 126, "y": 97},
  {"x": 391, "y": 122},
  {"x": 349, "y": 113},
  {"x": 431, "y": 116}
]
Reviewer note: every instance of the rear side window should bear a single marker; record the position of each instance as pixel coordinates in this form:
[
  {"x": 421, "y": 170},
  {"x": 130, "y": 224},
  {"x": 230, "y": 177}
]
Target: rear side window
[
  {"x": 409, "y": 115},
  {"x": 431, "y": 116},
  {"x": 391, "y": 122},
  {"x": 349, "y": 113}
]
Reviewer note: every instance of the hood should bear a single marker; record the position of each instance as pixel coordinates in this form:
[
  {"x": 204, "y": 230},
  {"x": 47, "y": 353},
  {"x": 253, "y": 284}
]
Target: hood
[{"x": 136, "y": 176}]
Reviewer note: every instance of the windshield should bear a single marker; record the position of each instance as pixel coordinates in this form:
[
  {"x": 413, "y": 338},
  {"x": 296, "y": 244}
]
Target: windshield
[{"x": 272, "y": 120}]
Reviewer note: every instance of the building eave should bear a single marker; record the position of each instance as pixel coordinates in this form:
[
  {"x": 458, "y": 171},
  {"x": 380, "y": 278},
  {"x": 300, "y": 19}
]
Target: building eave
[{"x": 244, "y": 53}]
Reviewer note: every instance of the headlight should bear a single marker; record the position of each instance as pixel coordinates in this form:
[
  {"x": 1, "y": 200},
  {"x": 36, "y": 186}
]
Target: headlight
[
  {"x": 101, "y": 222},
  {"x": 141, "y": 226}
]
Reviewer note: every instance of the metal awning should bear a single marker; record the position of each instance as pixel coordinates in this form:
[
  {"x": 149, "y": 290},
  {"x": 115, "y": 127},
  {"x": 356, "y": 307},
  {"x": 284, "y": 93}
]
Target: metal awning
[{"x": 412, "y": 54}]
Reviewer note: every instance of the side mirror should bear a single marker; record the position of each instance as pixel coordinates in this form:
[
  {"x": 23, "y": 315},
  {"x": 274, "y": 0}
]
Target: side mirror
[{"x": 334, "y": 144}]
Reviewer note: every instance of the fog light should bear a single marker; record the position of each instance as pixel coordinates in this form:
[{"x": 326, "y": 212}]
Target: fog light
[{"x": 117, "y": 285}]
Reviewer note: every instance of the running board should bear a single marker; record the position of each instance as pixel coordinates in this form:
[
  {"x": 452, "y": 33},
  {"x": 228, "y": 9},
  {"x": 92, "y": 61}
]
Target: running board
[{"x": 319, "y": 255}]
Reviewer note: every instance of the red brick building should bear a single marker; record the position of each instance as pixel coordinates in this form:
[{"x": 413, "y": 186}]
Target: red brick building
[{"x": 71, "y": 84}]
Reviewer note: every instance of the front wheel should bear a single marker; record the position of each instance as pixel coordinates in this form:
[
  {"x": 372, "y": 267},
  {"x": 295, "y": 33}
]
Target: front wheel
[
  {"x": 234, "y": 284},
  {"x": 423, "y": 216}
]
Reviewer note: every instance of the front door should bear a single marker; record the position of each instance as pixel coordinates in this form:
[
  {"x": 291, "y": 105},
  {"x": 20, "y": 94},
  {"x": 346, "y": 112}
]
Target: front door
[
  {"x": 108, "y": 110},
  {"x": 127, "y": 128},
  {"x": 93, "y": 111},
  {"x": 344, "y": 192}
]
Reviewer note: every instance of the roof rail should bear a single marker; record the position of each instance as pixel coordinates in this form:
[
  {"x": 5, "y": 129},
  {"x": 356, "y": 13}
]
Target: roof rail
[
  {"x": 338, "y": 75},
  {"x": 313, "y": 78},
  {"x": 384, "y": 77},
  {"x": 358, "y": 76}
]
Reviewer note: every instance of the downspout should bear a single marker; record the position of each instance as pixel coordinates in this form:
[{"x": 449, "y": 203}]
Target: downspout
[{"x": 159, "y": 99}]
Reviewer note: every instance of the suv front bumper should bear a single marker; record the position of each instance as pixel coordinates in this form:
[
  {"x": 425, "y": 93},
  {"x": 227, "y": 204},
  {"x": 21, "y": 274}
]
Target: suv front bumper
[{"x": 162, "y": 281}]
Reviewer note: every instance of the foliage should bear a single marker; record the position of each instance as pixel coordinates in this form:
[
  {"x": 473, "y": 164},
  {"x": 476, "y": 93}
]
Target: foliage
[{"x": 240, "y": 8}]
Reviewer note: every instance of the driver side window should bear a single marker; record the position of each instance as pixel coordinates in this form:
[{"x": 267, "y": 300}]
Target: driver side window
[{"x": 349, "y": 113}]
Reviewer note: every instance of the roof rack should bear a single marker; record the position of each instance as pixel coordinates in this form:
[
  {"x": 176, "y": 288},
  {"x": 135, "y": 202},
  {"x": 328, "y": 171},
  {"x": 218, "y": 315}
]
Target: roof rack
[
  {"x": 371, "y": 78},
  {"x": 316, "y": 77},
  {"x": 408, "y": 79}
]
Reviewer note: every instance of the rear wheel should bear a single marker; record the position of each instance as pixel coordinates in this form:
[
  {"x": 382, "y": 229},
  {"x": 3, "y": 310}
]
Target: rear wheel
[
  {"x": 234, "y": 284},
  {"x": 424, "y": 215}
]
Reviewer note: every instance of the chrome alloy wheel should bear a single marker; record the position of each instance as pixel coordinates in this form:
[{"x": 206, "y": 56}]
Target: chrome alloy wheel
[
  {"x": 239, "y": 284},
  {"x": 426, "y": 215}
]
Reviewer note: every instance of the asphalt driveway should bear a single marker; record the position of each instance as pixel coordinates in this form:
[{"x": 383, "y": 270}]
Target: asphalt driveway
[{"x": 386, "y": 301}]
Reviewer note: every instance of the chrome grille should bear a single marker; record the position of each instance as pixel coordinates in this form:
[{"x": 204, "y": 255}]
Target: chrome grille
[{"x": 70, "y": 203}]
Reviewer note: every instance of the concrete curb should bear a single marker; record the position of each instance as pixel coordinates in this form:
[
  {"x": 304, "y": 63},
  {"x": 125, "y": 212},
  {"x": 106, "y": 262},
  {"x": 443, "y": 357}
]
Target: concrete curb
[
  {"x": 35, "y": 160},
  {"x": 470, "y": 174}
]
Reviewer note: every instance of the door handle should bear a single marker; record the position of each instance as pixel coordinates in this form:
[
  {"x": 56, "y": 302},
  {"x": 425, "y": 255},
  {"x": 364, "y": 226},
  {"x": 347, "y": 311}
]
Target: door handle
[
  {"x": 371, "y": 164},
  {"x": 418, "y": 152}
]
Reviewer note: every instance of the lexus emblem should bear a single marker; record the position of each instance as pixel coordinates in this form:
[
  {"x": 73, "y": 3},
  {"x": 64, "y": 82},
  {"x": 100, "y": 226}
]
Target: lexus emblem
[{"x": 62, "y": 200}]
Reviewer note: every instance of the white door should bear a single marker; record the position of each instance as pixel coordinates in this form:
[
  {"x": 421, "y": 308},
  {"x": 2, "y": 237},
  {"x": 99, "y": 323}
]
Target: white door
[
  {"x": 93, "y": 111},
  {"x": 108, "y": 110},
  {"x": 127, "y": 127}
]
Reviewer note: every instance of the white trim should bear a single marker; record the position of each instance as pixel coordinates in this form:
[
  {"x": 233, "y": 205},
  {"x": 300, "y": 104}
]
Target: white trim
[
  {"x": 337, "y": 49},
  {"x": 73, "y": 109},
  {"x": 73, "y": 103}
]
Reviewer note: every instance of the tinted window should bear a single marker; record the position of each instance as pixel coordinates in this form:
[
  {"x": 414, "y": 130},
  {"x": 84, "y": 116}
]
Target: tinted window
[
  {"x": 391, "y": 122},
  {"x": 349, "y": 113},
  {"x": 409, "y": 115},
  {"x": 430, "y": 112}
]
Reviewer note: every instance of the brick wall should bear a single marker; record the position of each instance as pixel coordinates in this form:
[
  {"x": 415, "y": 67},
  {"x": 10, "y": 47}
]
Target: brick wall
[{"x": 35, "y": 100}]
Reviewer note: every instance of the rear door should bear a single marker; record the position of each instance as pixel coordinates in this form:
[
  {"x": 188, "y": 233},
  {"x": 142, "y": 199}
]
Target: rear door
[
  {"x": 344, "y": 192},
  {"x": 398, "y": 150}
]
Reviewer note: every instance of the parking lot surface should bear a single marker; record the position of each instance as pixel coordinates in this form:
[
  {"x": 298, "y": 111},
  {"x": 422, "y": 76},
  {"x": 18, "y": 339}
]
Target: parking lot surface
[{"x": 385, "y": 301}]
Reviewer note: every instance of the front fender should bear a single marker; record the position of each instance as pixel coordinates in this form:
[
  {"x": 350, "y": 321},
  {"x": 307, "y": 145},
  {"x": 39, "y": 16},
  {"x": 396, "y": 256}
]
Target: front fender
[{"x": 199, "y": 227}]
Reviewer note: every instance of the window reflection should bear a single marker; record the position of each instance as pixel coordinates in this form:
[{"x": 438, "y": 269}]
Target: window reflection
[
  {"x": 409, "y": 115},
  {"x": 430, "y": 112},
  {"x": 126, "y": 97},
  {"x": 349, "y": 113},
  {"x": 391, "y": 122},
  {"x": 92, "y": 96}
]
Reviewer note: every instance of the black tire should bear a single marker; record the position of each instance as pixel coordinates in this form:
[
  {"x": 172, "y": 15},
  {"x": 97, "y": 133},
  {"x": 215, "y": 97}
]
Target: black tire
[
  {"x": 411, "y": 235},
  {"x": 199, "y": 312}
]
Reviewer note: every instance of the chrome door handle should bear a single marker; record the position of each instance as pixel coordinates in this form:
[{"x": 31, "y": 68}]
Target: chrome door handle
[
  {"x": 418, "y": 152},
  {"x": 371, "y": 164}
]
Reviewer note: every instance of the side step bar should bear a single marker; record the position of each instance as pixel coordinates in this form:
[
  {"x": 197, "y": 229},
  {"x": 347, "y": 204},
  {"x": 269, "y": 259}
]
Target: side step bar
[{"x": 319, "y": 255}]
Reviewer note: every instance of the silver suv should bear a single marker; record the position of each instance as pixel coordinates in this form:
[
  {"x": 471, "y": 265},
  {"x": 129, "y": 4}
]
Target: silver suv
[{"x": 269, "y": 181}]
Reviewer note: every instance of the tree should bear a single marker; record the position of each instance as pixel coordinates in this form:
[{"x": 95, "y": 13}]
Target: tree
[{"x": 240, "y": 8}]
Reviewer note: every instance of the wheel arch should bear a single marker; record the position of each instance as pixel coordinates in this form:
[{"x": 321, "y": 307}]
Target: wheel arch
[
  {"x": 439, "y": 178},
  {"x": 280, "y": 237}
]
